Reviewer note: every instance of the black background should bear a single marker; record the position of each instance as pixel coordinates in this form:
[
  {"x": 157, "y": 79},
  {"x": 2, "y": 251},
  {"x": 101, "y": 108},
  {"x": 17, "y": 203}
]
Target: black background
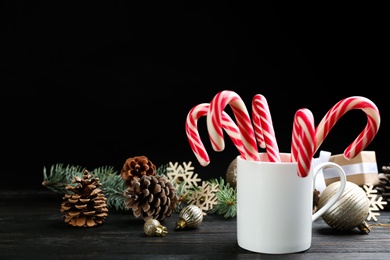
[{"x": 93, "y": 83}]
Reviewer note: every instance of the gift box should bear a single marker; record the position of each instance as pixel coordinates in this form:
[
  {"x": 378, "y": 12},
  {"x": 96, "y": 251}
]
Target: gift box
[{"x": 361, "y": 170}]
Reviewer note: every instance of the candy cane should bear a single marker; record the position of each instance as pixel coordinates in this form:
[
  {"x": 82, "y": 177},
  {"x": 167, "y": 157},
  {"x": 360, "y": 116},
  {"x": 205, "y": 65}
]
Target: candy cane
[
  {"x": 214, "y": 120},
  {"x": 194, "y": 138},
  {"x": 303, "y": 141},
  {"x": 264, "y": 131},
  {"x": 338, "y": 110}
]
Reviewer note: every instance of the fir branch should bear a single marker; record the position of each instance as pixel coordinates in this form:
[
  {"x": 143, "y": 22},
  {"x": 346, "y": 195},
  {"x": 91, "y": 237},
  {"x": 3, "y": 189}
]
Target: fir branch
[
  {"x": 227, "y": 199},
  {"x": 115, "y": 198},
  {"x": 60, "y": 176},
  {"x": 103, "y": 171},
  {"x": 161, "y": 170},
  {"x": 112, "y": 183},
  {"x": 182, "y": 192},
  {"x": 113, "y": 187}
]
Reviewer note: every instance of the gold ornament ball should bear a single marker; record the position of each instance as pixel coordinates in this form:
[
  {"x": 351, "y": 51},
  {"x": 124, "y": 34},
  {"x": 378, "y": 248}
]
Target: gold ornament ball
[
  {"x": 190, "y": 216},
  {"x": 152, "y": 227},
  {"x": 231, "y": 173},
  {"x": 349, "y": 211}
]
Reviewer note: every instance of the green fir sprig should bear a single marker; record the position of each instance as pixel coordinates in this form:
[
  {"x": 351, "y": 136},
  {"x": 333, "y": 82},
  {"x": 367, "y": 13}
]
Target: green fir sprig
[
  {"x": 60, "y": 176},
  {"x": 227, "y": 199},
  {"x": 113, "y": 185}
]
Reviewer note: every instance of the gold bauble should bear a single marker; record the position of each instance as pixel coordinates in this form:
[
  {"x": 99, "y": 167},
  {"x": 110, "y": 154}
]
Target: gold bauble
[
  {"x": 152, "y": 227},
  {"x": 190, "y": 217},
  {"x": 349, "y": 211},
  {"x": 231, "y": 173}
]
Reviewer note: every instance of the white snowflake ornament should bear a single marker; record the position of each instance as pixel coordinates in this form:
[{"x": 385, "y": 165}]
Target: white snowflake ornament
[
  {"x": 205, "y": 196},
  {"x": 183, "y": 174},
  {"x": 376, "y": 202}
]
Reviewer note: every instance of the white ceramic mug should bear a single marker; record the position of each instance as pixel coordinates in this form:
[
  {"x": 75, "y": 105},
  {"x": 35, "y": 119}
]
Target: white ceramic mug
[{"x": 275, "y": 205}]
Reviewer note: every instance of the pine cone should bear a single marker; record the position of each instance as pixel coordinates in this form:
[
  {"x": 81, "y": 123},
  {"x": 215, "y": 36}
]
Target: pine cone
[
  {"x": 152, "y": 197},
  {"x": 136, "y": 167},
  {"x": 383, "y": 187},
  {"x": 86, "y": 206}
]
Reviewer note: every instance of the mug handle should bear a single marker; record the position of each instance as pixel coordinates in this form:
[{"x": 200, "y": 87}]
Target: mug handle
[{"x": 334, "y": 198}]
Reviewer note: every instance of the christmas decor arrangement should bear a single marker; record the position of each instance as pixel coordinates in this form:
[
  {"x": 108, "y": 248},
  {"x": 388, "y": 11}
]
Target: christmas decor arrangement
[
  {"x": 152, "y": 227},
  {"x": 214, "y": 196},
  {"x": 221, "y": 200},
  {"x": 190, "y": 216},
  {"x": 155, "y": 193},
  {"x": 186, "y": 182},
  {"x": 85, "y": 205},
  {"x": 383, "y": 187}
]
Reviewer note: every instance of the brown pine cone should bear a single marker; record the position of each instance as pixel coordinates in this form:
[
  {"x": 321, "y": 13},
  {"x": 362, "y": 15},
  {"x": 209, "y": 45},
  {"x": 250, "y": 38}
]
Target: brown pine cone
[
  {"x": 152, "y": 197},
  {"x": 383, "y": 187},
  {"x": 86, "y": 206},
  {"x": 136, "y": 167}
]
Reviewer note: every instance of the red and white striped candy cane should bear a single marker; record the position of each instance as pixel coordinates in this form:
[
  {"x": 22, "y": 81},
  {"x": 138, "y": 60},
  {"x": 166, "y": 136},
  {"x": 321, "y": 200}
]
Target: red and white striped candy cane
[
  {"x": 193, "y": 134},
  {"x": 214, "y": 123},
  {"x": 264, "y": 130},
  {"x": 303, "y": 141},
  {"x": 338, "y": 110}
]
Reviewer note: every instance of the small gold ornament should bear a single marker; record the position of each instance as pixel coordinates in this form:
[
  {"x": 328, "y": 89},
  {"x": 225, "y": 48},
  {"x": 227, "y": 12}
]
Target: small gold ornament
[
  {"x": 231, "y": 173},
  {"x": 190, "y": 217},
  {"x": 351, "y": 209},
  {"x": 152, "y": 227}
]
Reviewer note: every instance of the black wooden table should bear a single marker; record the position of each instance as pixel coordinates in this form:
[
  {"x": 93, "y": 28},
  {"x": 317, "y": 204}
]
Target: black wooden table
[{"x": 31, "y": 227}]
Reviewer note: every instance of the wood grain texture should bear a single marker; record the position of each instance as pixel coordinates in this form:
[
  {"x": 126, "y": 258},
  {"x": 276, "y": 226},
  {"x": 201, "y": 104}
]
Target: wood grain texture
[{"x": 31, "y": 226}]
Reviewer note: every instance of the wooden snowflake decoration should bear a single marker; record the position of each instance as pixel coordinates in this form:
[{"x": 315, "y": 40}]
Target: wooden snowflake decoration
[
  {"x": 376, "y": 202},
  {"x": 182, "y": 175},
  {"x": 205, "y": 196}
]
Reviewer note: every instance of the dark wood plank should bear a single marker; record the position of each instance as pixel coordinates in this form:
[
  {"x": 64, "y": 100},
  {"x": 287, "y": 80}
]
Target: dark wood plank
[{"x": 32, "y": 225}]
